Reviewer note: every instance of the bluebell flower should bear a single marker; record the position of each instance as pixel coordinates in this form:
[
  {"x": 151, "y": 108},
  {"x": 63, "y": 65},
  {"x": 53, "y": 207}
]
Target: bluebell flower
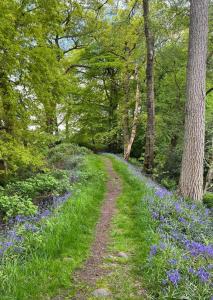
[
  {"x": 153, "y": 250},
  {"x": 30, "y": 227},
  {"x": 182, "y": 220},
  {"x": 203, "y": 275},
  {"x": 191, "y": 270},
  {"x": 161, "y": 193},
  {"x": 45, "y": 213},
  {"x": 172, "y": 261},
  {"x": 174, "y": 276},
  {"x": 178, "y": 207},
  {"x": 7, "y": 244},
  {"x": 20, "y": 219},
  {"x": 155, "y": 215}
]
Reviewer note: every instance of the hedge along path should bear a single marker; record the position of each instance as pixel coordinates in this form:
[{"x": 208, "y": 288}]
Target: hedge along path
[{"x": 93, "y": 268}]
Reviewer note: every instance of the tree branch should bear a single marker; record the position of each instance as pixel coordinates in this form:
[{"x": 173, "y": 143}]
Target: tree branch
[{"x": 209, "y": 91}]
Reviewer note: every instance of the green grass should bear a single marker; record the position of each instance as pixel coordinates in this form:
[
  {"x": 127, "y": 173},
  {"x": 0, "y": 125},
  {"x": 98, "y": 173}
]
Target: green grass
[
  {"x": 63, "y": 245},
  {"x": 134, "y": 230},
  {"x": 132, "y": 233}
]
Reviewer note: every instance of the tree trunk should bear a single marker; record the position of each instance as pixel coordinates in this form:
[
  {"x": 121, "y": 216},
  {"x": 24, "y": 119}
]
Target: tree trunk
[
  {"x": 150, "y": 129},
  {"x": 126, "y": 111},
  {"x": 136, "y": 115},
  {"x": 191, "y": 179}
]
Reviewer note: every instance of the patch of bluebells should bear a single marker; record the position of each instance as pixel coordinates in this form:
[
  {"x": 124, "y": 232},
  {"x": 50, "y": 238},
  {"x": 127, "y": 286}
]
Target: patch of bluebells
[
  {"x": 14, "y": 238},
  {"x": 184, "y": 248},
  {"x": 186, "y": 227}
]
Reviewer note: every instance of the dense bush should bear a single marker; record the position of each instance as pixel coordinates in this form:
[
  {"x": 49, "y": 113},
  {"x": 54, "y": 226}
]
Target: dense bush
[
  {"x": 17, "y": 198},
  {"x": 21, "y": 161},
  {"x": 40, "y": 184},
  {"x": 66, "y": 156},
  {"x": 11, "y": 206},
  {"x": 208, "y": 200}
]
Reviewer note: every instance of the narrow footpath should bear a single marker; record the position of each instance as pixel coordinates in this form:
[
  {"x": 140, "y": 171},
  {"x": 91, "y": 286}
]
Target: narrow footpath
[
  {"x": 93, "y": 269},
  {"x": 107, "y": 274}
]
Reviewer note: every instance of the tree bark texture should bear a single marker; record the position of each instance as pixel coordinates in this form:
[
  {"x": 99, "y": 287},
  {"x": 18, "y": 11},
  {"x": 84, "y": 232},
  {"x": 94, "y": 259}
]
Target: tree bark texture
[
  {"x": 191, "y": 178},
  {"x": 150, "y": 129}
]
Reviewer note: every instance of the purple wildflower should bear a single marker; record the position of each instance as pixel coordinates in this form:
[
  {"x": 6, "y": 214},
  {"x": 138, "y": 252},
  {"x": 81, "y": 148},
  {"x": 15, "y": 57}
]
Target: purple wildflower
[
  {"x": 161, "y": 193},
  {"x": 174, "y": 276},
  {"x": 178, "y": 207},
  {"x": 197, "y": 249},
  {"x": 30, "y": 227},
  {"x": 172, "y": 261},
  {"x": 153, "y": 250},
  {"x": 203, "y": 275},
  {"x": 45, "y": 213},
  {"x": 182, "y": 220},
  {"x": 7, "y": 245},
  {"x": 191, "y": 270},
  {"x": 155, "y": 215}
]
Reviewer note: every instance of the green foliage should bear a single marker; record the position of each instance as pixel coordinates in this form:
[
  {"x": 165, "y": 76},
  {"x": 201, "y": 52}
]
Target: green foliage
[
  {"x": 67, "y": 156},
  {"x": 67, "y": 149},
  {"x": 61, "y": 247},
  {"x": 19, "y": 159},
  {"x": 169, "y": 183},
  {"x": 41, "y": 184},
  {"x": 21, "y": 197},
  {"x": 208, "y": 200},
  {"x": 11, "y": 206}
]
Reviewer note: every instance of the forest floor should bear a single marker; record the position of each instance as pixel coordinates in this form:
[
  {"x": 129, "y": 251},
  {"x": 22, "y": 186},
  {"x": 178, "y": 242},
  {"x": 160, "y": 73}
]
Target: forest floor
[
  {"x": 107, "y": 273},
  {"x": 104, "y": 242}
]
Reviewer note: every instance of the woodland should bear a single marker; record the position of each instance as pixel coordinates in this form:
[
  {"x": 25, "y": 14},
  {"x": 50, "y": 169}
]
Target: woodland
[{"x": 91, "y": 90}]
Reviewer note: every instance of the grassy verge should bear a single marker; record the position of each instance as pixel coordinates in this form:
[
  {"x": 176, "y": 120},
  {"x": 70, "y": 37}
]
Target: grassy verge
[
  {"x": 132, "y": 234},
  {"x": 169, "y": 238},
  {"x": 54, "y": 252}
]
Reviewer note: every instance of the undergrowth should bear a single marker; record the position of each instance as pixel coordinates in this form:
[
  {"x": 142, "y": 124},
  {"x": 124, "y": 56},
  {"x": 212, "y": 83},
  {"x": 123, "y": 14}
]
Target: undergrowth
[{"x": 51, "y": 253}]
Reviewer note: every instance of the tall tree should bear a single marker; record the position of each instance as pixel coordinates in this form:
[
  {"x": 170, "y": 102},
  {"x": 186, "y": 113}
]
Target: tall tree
[
  {"x": 191, "y": 179},
  {"x": 135, "y": 117},
  {"x": 150, "y": 130}
]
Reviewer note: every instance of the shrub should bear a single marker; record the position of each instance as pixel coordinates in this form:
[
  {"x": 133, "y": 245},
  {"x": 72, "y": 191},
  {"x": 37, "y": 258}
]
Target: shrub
[
  {"x": 40, "y": 184},
  {"x": 11, "y": 206},
  {"x": 19, "y": 158},
  {"x": 208, "y": 200}
]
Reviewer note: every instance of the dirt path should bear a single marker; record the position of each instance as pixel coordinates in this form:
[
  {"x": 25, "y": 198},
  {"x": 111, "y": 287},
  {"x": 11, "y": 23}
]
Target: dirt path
[{"x": 93, "y": 268}]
